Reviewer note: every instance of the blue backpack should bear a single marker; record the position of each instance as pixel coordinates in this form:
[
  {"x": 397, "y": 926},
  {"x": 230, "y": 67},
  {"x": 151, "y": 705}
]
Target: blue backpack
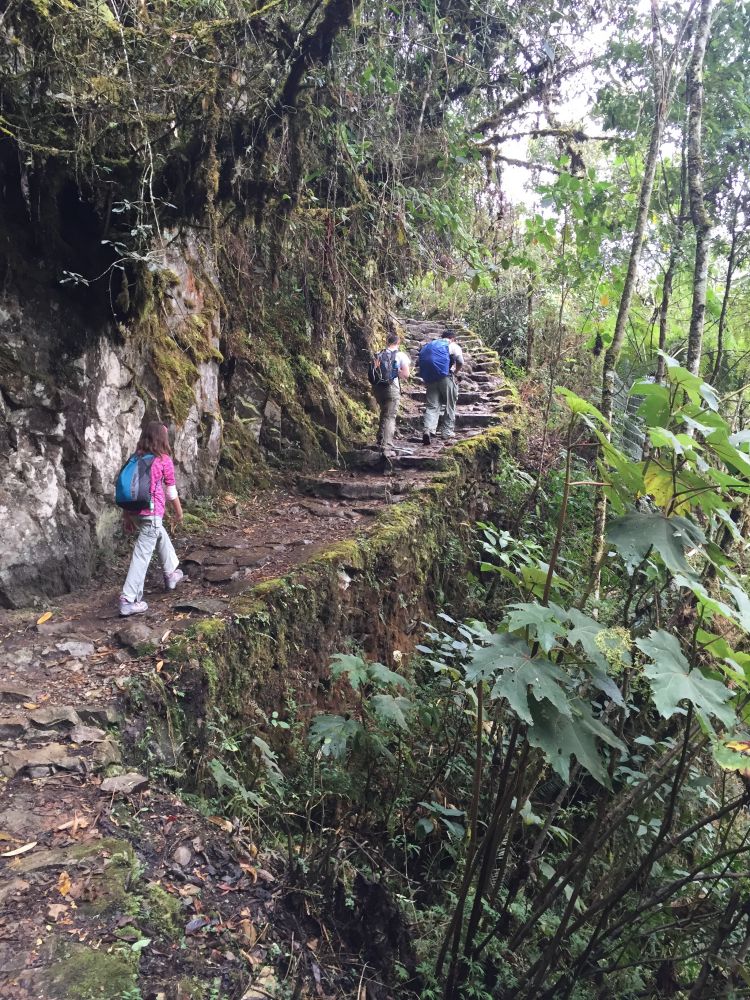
[
  {"x": 133, "y": 483},
  {"x": 434, "y": 361}
]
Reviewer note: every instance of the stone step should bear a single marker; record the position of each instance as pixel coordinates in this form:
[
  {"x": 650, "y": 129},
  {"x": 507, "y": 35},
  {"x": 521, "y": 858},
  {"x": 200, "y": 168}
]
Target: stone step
[
  {"x": 372, "y": 460},
  {"x": 483, "y": 419},
  {"x": 332, "y": 488},
  {"x": 464, "y": 397}
]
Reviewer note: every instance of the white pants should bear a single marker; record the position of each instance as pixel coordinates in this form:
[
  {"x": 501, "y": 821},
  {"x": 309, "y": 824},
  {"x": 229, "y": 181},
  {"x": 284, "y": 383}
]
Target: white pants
[{"x": 151, "y": 535}]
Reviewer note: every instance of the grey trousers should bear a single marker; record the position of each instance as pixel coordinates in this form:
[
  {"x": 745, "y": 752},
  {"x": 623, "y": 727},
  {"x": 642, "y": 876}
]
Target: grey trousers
[
  {"x": 151, "y": 535},
  {"x": 441, "y": 394},
  {"x": 388, "y": 397}
]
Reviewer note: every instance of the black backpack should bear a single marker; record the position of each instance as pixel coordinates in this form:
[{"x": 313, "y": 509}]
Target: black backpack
[{"x": 383, "y": 367}]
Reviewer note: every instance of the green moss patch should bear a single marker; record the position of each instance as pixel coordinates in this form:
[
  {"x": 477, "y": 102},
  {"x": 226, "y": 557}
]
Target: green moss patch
[{"x": 86, "y": 973}]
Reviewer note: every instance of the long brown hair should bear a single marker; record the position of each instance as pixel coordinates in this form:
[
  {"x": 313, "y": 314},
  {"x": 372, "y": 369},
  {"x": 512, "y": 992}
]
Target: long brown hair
[{"x": 154, "y": 440}]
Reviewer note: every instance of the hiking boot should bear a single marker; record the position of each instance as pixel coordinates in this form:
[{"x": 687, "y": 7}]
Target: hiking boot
[
  {"x": 172, "y": 579},
  {"x": 426, "y": 439},
  {"x": 132, "y": 607}
]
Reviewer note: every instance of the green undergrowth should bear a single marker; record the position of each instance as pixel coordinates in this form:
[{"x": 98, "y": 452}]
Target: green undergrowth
[{"x": 371, "y": 590}]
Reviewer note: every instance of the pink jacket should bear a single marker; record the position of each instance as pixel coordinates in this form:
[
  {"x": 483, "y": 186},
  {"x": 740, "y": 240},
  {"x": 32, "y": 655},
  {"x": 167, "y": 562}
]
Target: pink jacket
[{"x": 163, "y": 486}]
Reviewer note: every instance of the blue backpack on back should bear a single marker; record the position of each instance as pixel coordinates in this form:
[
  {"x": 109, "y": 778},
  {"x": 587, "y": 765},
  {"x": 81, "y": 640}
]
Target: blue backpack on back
[
  {"x": 133, "y": 483},
  {"x": 434, "y": 361}
]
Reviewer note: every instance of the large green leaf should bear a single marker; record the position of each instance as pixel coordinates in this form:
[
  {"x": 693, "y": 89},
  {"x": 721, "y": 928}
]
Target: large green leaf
[
  {"x": 333, "y": 733},
  {"x": 391, "y": 709},
  {"x": 545, "y": 621},
  {"x": 654, "y": 410},
  {"x": 680, "y": 444},
  {"x": 710, "y": 604},
  {"x": 353, "y": 667},
  {"x": 544, "y": 678},
  {"x": 742, "y": 603},
  {"x": 635, "y": 533},
  {"x": 694, "y": 386},
  {"x": 382, "y": 675},
  {"x": 673, "y": 682},
  {"x": 561, "y": 737},
  {"x": 534, "y": 579},
  {"x": 503, "y": 651},
  {"x": 581, "y": 407}
]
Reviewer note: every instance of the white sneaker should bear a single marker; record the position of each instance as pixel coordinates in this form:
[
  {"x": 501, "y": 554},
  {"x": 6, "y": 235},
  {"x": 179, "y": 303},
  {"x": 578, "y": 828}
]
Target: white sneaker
[
  {"x": 172, "y": 579},
  {"x": 132, "y": 607}
]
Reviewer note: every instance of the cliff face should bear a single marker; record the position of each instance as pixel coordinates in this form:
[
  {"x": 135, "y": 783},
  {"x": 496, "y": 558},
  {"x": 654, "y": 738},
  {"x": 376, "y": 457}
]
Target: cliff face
[
  {"x": 243, "y": 391},
  {"x": 73, "y": 396}
]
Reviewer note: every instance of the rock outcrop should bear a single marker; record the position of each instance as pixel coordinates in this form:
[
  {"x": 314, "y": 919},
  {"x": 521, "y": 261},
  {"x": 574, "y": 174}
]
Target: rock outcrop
[{"x": 73, "y": 396}]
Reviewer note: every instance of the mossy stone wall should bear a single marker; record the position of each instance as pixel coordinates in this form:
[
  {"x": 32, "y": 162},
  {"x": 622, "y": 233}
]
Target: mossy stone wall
[{"x": 371, "y": 592}]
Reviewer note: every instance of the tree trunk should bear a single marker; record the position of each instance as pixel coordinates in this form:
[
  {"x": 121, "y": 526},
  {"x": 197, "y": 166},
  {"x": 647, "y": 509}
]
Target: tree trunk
[
  {"x": 529, "y": 325},
  {"x": 662, "y": 101},
  {"x": 666, "y": 290},
  {"x": 698, "y": 213},
  {"x": 731, "y": 261}
]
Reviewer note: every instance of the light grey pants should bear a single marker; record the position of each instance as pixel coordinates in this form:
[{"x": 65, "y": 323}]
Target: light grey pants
[
  {"x": 151, "y": 535},
  {"x": 388, "y": 397},
  {"x": 441, "y": 394}
]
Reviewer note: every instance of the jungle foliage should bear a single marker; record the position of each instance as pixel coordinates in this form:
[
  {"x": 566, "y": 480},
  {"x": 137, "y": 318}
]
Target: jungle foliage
[{"x": 551, "y": 797}]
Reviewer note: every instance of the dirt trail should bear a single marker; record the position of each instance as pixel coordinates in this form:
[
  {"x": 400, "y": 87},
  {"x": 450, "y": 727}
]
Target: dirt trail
[{"x": 60, "y": 689}]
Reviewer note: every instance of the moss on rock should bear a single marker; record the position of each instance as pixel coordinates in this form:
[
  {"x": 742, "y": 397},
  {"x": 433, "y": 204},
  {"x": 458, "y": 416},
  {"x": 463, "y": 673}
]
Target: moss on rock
[
  {"x": 162, "y": 911},
  {"x": 86, "y": 973}
]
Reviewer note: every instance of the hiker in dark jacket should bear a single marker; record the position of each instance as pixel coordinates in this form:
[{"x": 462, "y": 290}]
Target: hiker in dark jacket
[
  {"x": 388, "y": 368},
  {"x": 440, "y": 361}
]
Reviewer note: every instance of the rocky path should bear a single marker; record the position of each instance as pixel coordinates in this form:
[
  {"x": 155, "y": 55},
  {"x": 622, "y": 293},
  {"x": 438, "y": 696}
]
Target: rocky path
[{"x": 69, "y": 813}]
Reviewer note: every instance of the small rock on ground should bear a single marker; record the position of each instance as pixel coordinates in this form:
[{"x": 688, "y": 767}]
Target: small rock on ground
[{"x": 125, "y": 784}]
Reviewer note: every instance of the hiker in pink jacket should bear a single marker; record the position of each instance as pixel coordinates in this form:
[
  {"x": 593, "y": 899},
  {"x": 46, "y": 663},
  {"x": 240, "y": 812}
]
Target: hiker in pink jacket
[{"x": 148, "y": 522}]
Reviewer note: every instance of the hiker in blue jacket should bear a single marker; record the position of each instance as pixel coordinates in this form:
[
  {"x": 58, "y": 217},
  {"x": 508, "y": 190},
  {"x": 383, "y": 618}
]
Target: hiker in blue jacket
[{"x": 440, "y": 361}]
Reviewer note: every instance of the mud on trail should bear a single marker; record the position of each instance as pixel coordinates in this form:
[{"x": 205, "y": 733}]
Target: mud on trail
[{"x": 110, "y": 884}]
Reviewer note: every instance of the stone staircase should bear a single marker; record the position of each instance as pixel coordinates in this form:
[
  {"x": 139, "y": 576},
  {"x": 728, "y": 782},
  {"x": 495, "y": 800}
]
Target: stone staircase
[{"x": 484, "y": 400}]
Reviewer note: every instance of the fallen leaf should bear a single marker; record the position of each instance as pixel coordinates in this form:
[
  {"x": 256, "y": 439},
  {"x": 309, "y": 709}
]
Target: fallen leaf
[
  {"x": 159, "y": 665},
  {"x": 248, "y": 932},
  {"x": 19, "y": 850},
  {"x": 188, "y": 891},
  {"x": 74, "y": 825},
  {"x": 222, "y": 823},
  {"x": 31, "y": 705},
  {"x": 7, "y": 837},
  {"x": 64, "y": 885},
  {"x": 56, "y": 910},
  {"x": 166, "y": 635},
  {"x": 249, "y": 870},
  {"x": 44, "y": 618},
  {"x": 198, "y": 923}
]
